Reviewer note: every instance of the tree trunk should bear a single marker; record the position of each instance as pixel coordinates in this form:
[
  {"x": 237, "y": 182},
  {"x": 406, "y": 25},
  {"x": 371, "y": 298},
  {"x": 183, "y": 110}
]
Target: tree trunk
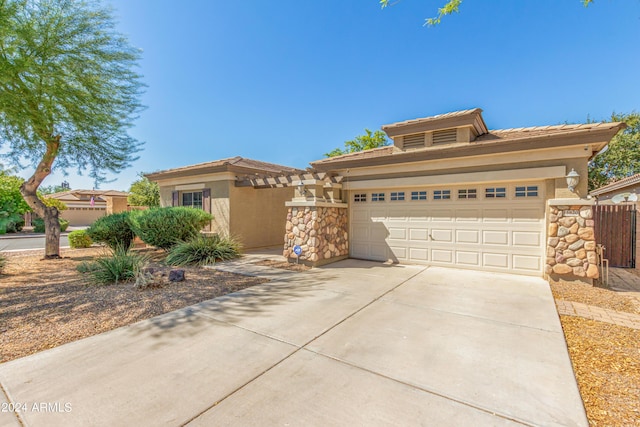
[{"x": 29, "y": 190}]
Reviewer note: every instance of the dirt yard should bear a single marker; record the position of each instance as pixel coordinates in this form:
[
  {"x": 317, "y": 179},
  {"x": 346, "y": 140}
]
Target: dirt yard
[{"x": 44, "y": 304}]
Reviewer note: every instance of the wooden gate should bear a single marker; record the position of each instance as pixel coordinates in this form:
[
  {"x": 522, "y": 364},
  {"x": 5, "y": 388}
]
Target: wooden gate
[{"x": 615, "y": 229}]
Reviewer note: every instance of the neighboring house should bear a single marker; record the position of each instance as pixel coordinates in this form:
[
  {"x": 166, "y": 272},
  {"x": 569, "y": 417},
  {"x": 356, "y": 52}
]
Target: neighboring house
[
  {"x": 448, "y": 192},
  {"x": 253, "y": 214},
  {"x": 85, "y": 206},
  {"x": 623, "y": 188}
]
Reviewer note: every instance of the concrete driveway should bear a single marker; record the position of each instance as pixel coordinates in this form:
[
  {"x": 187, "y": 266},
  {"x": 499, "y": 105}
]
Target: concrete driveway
[{"x": 353, "y": 343}]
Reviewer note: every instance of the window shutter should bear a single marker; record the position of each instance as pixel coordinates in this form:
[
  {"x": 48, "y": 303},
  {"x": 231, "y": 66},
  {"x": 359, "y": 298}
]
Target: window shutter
[
  {"x": 175, "y": 201},
  {"x": 206, "y": 204}
]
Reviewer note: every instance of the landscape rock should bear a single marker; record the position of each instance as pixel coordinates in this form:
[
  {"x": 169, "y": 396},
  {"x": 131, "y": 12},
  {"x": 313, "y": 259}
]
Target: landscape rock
[{"x": 176, "y": 276}]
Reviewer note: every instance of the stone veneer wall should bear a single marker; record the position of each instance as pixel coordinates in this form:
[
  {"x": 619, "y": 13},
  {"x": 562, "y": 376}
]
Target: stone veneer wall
[
  {"x": 321, "y": 232},
  {"x": 571, "y": 245}
]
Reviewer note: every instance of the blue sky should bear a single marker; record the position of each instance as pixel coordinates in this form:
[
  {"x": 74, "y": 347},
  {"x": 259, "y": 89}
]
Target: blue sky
[{"x": 286, "y": 81}]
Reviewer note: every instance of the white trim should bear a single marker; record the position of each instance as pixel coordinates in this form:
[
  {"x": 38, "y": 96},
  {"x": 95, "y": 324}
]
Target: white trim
[
  {"x": 317, "y": 204},
  {"x": 514, "y": 175}
]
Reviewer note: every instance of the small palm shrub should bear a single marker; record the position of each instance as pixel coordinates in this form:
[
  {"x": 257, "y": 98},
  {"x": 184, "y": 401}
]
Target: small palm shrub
[
  {"x": 204, "y": 250},
  {"x": 38, "y": 225},
  {"x": 165, "y": 227},
  {"x": 79, "y": 239},
  {"x": 113, "y": 230},
  {"x": 121, "y": 266}
]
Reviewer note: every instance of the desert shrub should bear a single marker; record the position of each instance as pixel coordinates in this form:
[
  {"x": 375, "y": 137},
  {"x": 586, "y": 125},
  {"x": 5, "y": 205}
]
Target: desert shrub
[
  {"x": 112, "y": 230},
  {"x": 79, "y": 239},
  {"x": 121, "y": 266},
  {"x": 87, "y": 267},
  {"x": 38, "y": 224},
  {"x": 203, "y": 250},
  {"x": 165, "y": 227}
]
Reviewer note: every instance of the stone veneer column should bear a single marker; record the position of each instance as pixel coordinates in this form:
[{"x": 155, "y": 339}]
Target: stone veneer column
[
  {"x": 571, "y": 245},
  {"x": 320, "y": 231}
]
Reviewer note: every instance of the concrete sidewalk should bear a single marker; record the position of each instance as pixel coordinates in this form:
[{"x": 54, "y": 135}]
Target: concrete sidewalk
[{"x": 353, "y": 343}]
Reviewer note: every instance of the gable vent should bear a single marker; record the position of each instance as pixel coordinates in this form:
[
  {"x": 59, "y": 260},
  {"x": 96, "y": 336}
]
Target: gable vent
[
  {"x": 413, "y": 141},
  {"x": 444, "y": 136}
]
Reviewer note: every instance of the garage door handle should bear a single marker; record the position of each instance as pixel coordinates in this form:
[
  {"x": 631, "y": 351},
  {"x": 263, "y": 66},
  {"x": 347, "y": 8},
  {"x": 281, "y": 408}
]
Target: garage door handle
[{"x": 431, "y": 237}]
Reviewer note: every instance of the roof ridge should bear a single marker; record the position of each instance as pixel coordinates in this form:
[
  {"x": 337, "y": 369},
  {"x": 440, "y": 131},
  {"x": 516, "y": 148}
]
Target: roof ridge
[{"x": 555, "y": 127}]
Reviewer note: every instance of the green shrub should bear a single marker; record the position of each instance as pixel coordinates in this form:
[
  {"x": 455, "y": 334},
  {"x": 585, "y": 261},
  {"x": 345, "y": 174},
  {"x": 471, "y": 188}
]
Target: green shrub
[
  {"x": 15, "y": 226},
  {"x": 121, "y": 266},
  {"x": 165, "y": 227},
  {"x": 87, "y": 267},
  {"x": 38, "y": 224},
  {"x": 203, "y": 250},
  {"x": 113, "y": 230},
  {"x": 79, "y": 239}
]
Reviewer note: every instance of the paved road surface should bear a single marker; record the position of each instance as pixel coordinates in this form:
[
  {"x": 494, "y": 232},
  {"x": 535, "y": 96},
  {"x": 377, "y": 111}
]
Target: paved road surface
[{"x": 21, "y": 243}]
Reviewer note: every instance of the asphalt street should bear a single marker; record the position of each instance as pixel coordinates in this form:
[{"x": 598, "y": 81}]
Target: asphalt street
[{"x": 12, "y": 243}]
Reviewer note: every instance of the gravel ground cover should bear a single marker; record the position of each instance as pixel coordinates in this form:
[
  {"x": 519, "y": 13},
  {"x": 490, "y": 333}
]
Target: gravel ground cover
[
  {"x": 46, "y": 303},
  {"x": 605, "y": 357}
]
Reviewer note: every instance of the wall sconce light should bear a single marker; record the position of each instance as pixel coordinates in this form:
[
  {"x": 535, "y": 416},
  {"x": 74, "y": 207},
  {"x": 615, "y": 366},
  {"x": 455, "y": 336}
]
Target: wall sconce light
[
  {"x": 572, "y": 180},
  {"x": 301, "y": 188}
]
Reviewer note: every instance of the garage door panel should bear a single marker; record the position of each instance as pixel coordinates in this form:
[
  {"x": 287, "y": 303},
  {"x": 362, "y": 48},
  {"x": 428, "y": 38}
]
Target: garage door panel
[
  {"x": 467, "y": 215},
  {"x": 359, "y": 250},
  {"x": 526, "y": 263},
  {"x": 418, "y": 254},
  {"x": 378, "y": 233},
  {"x": 495, "y": 260},
  {"x": 468, "y": 258},
  {"x": 360, "y": 232},
  {"x": 495, "y": 237},
  {"x": 440, "y": 235},
  {"x": 378, "y": 215},
  {"x": 441, "y": 215},
  {"x": 524, "y": 238},
  {"x": 417, "y": 215},
  {"x": 379, "y": 252},
  {"x": 361, "y": 215},
  {"x": 495, "y": 215},
  {"x": 442, "y": 255},
  {"x": 397, "y": 233},
  {"x": 467, "y": 236},
  {"x": 418, "y": 234},
  {"x": 399, "y": 252},
  {"x": 527, "y": 215}
]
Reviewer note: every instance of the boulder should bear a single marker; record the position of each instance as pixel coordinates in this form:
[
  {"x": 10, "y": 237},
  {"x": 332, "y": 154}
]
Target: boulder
[{"x": 176, "y": 276}]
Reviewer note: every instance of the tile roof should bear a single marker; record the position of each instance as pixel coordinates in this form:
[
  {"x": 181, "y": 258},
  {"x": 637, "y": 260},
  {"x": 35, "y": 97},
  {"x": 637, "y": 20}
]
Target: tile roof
[
  {"x": 621, "y": 183},
  {"x": 88, "y": 193},
  {"x": 229, "y": 164},
  {"x": 487, "y": 139},
  {"x": 433, "y": 118}
]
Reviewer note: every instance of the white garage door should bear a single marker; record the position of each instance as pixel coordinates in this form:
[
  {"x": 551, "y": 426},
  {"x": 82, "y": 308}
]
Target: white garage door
[{"x": 490, "y": 227}]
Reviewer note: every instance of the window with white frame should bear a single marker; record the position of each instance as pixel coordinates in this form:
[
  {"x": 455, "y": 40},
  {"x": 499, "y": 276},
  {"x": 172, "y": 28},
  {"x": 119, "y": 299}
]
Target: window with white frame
[
  {"x": 418, "y": 195},
  {"x": 495, "y": 193},
  {"x": 396, "y": 196},
  {"x": 192, "y": 199},
  {"x": 467, "y": 193},
  {"x": 362, "y": 197},
  {"x": 377, "y": 197},
  {"x": 528, "y": 191},
  {"x": 441, "y": 194}
]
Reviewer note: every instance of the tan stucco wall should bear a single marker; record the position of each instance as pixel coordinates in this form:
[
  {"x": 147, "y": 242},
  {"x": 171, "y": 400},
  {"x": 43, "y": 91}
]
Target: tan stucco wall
[
  {"x": 116, "y": 204},
  {"x": 219, "y": 200},
  {"x": 258, "y": 216}
]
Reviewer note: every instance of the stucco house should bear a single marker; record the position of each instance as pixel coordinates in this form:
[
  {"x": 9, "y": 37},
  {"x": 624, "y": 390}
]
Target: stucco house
[
  {"x": 447, "y": 192},
  {"x": 252, "y": 213},
  {"x": 86, "y": 206}
]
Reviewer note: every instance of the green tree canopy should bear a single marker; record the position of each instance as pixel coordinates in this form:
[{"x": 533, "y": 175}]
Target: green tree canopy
[
  {"x": 144, "y": 193},
  {"x": 621, "y": 158},
  {"x": 363, "y": 142},
  {"x": 68, "y": 94},
  {"x": 451, "y": 6}
]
